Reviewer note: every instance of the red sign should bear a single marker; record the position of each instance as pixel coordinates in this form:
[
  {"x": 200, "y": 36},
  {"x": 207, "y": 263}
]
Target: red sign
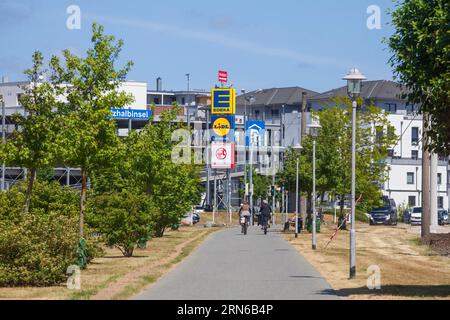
[
  {"x": 223, "y": 76},
  {"x": 221, "y": 153}
]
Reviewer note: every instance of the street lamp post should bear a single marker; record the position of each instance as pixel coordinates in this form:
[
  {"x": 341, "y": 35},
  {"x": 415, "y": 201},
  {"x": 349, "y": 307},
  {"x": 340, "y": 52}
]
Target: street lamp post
[
  {"x": 297, "y": 148},
  {"x": 3, "y": 141},
  {"x": 354, "y": 80},
  {"x": 245, "y": 144},
  {"x": 314, "y": 132}
]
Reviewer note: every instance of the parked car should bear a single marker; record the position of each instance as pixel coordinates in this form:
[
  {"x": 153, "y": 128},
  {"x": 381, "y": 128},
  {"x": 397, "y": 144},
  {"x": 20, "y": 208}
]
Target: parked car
[
  {"x": 407, "y": 216},
  {"x": 445, "y": 216},
  {"x": 416, "y": 216},
  {"x": 387, "y": 214},
  {"x": 442, "y": 217},
  {"x": 190, "y": 217},
  {"x": 199, "y": 209},
  {"x": 383, "y": 215}
]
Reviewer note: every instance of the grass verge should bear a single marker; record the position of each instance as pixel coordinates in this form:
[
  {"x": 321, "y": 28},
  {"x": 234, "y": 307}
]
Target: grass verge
[{"x": 409, "y": 270}]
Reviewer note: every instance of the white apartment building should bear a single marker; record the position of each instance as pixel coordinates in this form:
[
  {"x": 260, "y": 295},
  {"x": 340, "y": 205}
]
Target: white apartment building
[{"x": 404, "y": 184}]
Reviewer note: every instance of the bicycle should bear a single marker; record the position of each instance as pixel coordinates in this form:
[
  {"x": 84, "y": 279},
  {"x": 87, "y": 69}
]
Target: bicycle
[{"x": 244, "y": 225}]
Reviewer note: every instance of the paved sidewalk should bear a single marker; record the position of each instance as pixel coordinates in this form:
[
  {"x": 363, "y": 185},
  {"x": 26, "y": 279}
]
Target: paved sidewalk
[{"x": 231, "y": 266}]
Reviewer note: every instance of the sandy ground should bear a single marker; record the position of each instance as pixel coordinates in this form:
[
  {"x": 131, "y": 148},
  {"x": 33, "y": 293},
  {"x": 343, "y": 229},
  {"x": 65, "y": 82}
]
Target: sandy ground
[{"x": 408, "y": 269}]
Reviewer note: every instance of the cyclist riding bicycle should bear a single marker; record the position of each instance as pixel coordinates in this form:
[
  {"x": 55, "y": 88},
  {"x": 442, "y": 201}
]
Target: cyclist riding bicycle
[
  {"x": 244, "y": 212},
  {"x": 265, "y": 215}
]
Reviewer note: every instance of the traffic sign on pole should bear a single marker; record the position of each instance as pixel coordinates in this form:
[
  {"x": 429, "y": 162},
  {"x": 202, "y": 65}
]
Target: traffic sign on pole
[
  {"x": 222, "y": 155},
  {"x": 254, "y": 133}
]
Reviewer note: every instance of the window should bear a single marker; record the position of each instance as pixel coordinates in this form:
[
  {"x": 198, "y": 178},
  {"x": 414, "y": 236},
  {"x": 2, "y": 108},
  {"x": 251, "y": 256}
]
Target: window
[
  {"x": 410, "y": 178},
  {"x": 415, "y": 136},
  {"x": 390, "y": 152},
  {"x": 391, "y": 107},
  {"x": 412, "y": 201},
  {"x": 440, "y": 202},
  {"x": 256, "y": 114},
  {"x": 439, "y": 178},
  {"x": 183, "y": 101},
  {"x": 19, "y": 96},
  {"x": 414, "y": 154},
  {"x": 275, "y": 113},
  {"x": 156, "y": 100}
]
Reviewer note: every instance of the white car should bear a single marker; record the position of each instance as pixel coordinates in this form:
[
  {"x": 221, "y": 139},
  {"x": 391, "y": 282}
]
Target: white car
[{"x": 416, "y": 216}]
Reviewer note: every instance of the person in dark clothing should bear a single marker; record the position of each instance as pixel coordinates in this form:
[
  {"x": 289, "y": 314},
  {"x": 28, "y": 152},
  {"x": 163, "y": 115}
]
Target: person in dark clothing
[{"x": 266, "y": 212}]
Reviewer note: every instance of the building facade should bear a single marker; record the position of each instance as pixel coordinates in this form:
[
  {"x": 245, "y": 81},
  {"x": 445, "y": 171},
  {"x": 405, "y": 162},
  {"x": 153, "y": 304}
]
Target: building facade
[{"x": 404, "y": 183}]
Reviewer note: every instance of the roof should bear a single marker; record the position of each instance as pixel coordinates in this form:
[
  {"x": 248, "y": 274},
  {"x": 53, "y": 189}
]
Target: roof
[
  {"x": 276, "y": 96},
  {"x": 376, "y": 90}
]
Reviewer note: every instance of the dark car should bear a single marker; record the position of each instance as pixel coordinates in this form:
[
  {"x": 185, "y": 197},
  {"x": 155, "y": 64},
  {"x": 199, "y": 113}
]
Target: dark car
[
  {"x": 407, "y": 216},
  {"x": 387, "y": 214},
  {"x": 195, "y": 218},
  {"x": 442, "y": 217}
]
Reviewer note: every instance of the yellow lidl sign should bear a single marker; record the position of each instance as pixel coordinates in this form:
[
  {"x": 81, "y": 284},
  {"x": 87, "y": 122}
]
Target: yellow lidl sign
[
  {"x": 223, "y": 101},
  {"x": 221, "y": 126}
]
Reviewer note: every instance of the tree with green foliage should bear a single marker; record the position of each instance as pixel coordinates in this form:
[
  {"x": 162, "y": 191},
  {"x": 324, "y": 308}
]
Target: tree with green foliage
[
  {"x": 123, "y": 218},
  {"x": 375, "y": 135},
  {"x": 92, "y": 89},
  {"x": 35, "y": 144},
  {"x": 420, "y": 59},
  {"x": 173, "y": 188}
]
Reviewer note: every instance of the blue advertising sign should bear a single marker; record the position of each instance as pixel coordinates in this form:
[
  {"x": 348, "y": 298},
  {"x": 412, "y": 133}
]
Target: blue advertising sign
[
  {"x": 133, "y": 114},
  {"x": 222, "y": 128},
  {"x": 254, "y": 133}
]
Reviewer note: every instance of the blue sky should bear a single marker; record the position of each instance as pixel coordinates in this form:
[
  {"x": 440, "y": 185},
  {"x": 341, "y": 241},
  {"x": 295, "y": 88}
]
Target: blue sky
[{"x": 262, "y": 44}]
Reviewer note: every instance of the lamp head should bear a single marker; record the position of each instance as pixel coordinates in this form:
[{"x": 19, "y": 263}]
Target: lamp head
[
  {"x": 297, "y": 148},
  {"x": 354, "y": 79},
  {"x": 314, "y": 128}
]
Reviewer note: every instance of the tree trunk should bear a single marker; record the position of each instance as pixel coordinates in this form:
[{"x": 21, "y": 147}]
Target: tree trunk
[
  {"x": 31, "y": 176},
  {"x": 82, "y": 200}
]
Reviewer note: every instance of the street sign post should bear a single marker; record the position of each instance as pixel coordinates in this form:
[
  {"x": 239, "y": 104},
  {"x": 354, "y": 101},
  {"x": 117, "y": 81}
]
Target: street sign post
[
  {"x": 222, "y": 155},
  {"x": 222, "y": 128},
  {"x": 223, "y": 101},
  {"x": 133, "y": 114},
  {"x": 254, "y": 133}
]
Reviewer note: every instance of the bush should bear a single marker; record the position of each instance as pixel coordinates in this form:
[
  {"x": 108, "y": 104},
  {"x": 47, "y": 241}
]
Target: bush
[
  {"x": 122, "y": 218},
  {"x": 36, "y": 248}
]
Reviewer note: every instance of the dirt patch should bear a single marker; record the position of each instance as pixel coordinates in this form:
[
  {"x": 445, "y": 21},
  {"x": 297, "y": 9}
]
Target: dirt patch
[
  {"x": 408, "y": 269},
  {"x": 439, "y": 243}
]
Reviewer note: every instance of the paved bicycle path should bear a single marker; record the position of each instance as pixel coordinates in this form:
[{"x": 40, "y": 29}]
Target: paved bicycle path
[{"x": 231, "y": 266}]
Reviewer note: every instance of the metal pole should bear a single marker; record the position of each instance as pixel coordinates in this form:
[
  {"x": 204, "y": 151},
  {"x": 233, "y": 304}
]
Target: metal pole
[
  {"x": 433, "y": 192},
  {"x": 425, "y": 178},
  {"x": 352, "y": 231},
  {"x": 67, "y": 176},
  {"x": 287, "y": 205},
  {"x": 229, "y": 195},
  {"x": 130, "y": 125},
  {"x": 296, "y": 201},
  {"x": 215, "y": 195},
  {"x": 208, "y": 156},
  {"x": 251, "y": 182},
  {"x": 245, "y": 147},
  {"x": 273, "y": 183},
  {"x": 314, "y": 243},
  {"x": 3, "y": 141}
]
